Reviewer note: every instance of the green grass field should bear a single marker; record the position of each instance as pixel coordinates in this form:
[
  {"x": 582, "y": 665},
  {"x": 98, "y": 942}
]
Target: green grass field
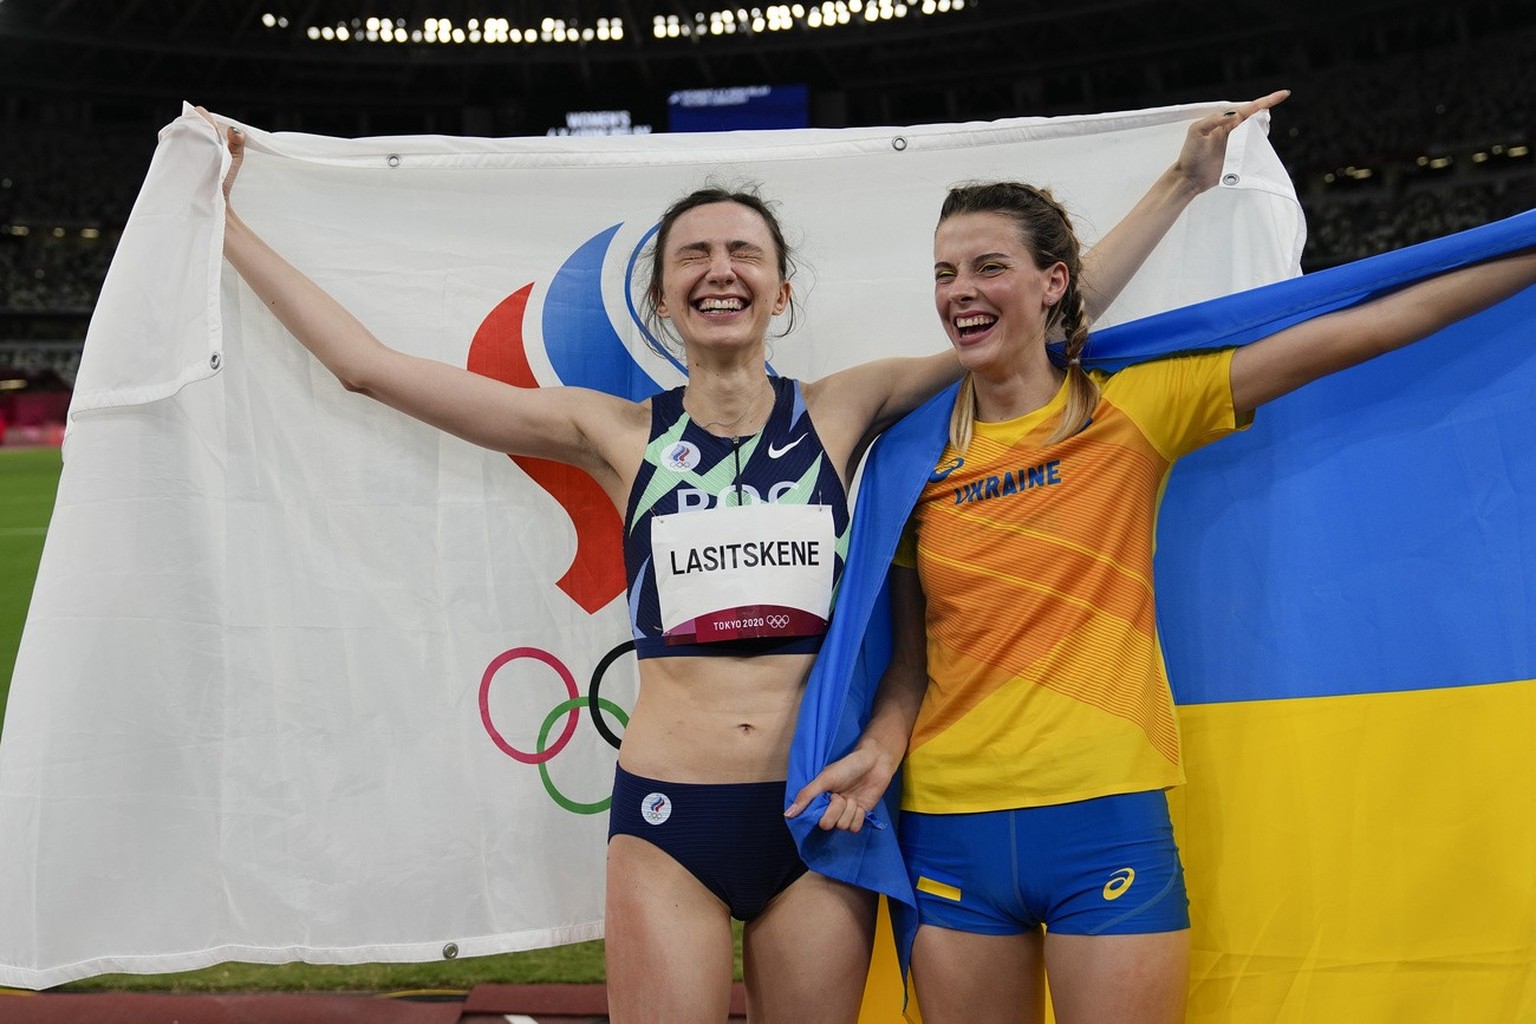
[{"x": 28, "y": 481}]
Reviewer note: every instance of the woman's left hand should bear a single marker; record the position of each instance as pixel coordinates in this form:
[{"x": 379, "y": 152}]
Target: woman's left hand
[{"x": 1205, "y": 144}]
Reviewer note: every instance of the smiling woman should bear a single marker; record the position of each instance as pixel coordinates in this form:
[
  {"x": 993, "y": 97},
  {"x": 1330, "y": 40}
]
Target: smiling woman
[
  {"x": 709, "y": 733},
  {"x": 734, "y": 461},
  {"x": 1037, "y": 747},
  {"x": 1008, "y": 244},
  {"x": 752, "y": 239}
]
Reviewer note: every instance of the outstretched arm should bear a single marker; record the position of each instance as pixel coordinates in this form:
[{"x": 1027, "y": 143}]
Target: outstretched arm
[
  {"x": 856, "y": 781},
  {"x": 1109, "y": 266},
  {"x": 569, "y": 425},
  {"x": 871, "y": 396},
  {"x": 1298, "y": 355}
]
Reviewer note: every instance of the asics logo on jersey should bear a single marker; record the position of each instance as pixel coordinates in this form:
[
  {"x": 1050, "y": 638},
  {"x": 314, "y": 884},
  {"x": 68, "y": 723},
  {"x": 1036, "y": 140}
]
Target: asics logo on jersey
[
  {"x": 1118, "y": 883},
  {"x": 774, "y": 451},
  {"x": 940, "y": 472}
]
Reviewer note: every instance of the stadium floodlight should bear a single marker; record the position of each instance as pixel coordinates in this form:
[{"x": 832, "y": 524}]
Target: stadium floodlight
[{"x": 715, "y": 19}]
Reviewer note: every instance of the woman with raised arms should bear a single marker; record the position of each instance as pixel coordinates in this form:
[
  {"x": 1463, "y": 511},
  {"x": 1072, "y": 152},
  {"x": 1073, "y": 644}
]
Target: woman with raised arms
[
  {"x": 1026, "y": 691},
  {"x": 697, "y": 834}
]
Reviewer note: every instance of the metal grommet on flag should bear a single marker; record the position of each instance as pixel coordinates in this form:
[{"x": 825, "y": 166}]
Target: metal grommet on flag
[
  {"x": 451, "y": 951},
  {"x": 393, "y": 159},
  {"x": 214, "y": 361},
  {"x": 1230, "y": 179},
  {"x": 899, "y": 143}
]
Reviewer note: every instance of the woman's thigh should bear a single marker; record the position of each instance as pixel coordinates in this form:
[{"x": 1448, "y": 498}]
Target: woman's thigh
[
  {"x": 971, "y": 978},
  {"x": 806, "y": 956},
  {"x": 668, "y": 948},
  {"x": 1137, "y": 979}
]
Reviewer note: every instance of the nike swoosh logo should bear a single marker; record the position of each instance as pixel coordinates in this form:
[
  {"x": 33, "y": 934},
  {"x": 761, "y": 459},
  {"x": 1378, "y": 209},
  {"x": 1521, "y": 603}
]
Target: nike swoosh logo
[{"x": 774, "y": 451}]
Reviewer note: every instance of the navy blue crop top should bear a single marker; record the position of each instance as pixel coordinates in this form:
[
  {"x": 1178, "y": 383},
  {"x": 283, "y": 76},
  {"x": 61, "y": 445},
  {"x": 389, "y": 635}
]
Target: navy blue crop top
[{"x": 687, "y": 468}]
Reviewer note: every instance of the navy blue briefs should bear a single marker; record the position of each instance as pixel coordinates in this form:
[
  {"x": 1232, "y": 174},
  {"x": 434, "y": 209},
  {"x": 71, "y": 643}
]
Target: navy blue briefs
[{"x": 731, "y": 837}]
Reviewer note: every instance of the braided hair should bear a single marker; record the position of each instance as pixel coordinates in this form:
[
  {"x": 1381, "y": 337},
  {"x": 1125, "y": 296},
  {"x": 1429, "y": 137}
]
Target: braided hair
[{"x": 1048, "y": 233}]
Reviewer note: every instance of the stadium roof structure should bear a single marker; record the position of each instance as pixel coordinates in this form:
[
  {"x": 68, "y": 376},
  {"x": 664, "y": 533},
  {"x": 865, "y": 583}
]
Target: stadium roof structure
[{"x": 512, "y": 65}]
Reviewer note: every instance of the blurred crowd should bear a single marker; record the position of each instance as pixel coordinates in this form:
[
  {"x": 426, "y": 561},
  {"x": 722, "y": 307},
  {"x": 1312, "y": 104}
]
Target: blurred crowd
[
  {"x": 1350, "y": 227},
  {"x": 1384, "y": 153}
]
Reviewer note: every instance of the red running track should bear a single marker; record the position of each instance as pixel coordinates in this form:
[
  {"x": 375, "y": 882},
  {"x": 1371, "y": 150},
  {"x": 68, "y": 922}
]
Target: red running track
[{"x": 484, "y": 1004}]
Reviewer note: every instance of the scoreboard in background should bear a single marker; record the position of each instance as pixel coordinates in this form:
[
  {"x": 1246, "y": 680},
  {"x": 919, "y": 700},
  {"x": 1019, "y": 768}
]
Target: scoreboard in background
[
  {"x": 746, "y": 106},
  {"x": 599, "y": 122}
]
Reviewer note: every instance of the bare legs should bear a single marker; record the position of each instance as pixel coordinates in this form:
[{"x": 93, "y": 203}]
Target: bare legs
[
  {"x": 669, "y": 946},
  {"x": 668, "y": 940},
  {"x": 1000, "y": 979},
  {"x": 806, "y": 956},
  {"x": 959, "y": 976}
]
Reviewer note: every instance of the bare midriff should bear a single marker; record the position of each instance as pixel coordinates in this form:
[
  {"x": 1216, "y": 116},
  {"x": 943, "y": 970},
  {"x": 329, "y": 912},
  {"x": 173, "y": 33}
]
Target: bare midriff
[{"x": 715, "y": 719}]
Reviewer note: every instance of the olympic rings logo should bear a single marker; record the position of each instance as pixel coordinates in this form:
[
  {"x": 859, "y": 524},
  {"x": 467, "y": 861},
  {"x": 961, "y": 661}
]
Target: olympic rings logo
[
  {"x": 777, "y": 621},
  {"x": 570, "y": 708}
]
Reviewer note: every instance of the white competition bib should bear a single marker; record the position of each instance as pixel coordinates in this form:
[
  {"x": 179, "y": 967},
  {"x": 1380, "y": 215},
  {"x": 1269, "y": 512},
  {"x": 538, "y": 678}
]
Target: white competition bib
[{"x": 744, "y": 571}]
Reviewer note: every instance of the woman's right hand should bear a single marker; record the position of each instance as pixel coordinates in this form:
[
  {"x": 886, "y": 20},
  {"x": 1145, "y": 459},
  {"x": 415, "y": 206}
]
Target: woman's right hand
[
  {"x": 853, "y": 784},
  {"x": 591, "y": 431},
  {"x": 234, "y": 138}
]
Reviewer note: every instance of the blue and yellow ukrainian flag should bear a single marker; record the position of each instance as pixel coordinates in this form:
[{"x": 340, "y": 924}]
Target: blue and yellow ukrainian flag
[{"x": 1347, "y": 604}]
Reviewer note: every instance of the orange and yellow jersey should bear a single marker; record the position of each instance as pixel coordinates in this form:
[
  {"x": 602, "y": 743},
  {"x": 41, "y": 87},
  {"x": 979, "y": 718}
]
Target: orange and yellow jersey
[{"x": 1046, "y": 679}]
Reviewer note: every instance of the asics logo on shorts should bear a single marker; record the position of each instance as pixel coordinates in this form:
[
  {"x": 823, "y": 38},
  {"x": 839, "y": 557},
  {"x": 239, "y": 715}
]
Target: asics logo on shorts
[{"x": 1118, "y": 883}]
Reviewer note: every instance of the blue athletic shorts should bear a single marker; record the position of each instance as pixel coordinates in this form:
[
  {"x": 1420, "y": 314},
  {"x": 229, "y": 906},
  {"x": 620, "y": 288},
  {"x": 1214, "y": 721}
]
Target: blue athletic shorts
[
  {"x": 731, "y": 837},
  {"x": 1107, "y": 866}
]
